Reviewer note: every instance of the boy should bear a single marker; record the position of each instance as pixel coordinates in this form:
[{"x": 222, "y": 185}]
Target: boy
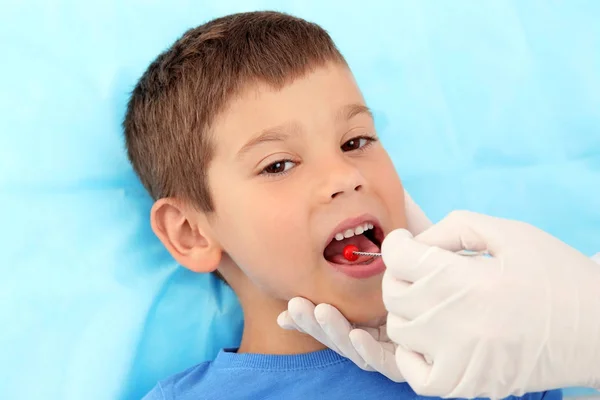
[{"x": 254, "y": 139}]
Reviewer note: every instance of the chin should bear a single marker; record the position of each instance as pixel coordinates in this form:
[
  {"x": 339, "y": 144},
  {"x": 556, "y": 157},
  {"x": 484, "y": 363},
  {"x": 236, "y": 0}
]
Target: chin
[
  {"x": 368, "y": 320},
  {"x": 366, "y": 313}
]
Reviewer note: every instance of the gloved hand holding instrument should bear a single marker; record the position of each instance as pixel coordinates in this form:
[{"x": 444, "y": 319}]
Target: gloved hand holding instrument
[{"x": 524, "y": 319}]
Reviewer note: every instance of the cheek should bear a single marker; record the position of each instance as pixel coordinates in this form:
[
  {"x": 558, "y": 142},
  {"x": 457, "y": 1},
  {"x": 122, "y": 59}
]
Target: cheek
[
  {"x": 391, "y": 191},
  {"x": 391, "y": 188},
  {"x": 266, "y": 235}
]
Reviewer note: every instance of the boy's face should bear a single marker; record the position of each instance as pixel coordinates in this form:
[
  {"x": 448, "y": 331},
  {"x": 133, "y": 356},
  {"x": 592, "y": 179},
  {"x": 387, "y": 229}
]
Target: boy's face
[{"x": 293, "y": 168}]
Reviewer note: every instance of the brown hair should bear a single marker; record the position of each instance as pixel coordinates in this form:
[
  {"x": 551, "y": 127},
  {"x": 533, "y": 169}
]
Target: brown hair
[{"x": 174, "y": 103}]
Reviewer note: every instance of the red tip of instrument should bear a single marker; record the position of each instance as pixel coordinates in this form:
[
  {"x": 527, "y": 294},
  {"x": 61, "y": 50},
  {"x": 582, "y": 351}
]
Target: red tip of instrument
[{"x": 348, "y": 252}]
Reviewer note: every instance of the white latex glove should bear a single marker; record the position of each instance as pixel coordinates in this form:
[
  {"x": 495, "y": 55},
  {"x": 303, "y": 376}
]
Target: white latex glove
[
  {"x": 526, "y": 319},
  {"x": 368, "y": 348}
]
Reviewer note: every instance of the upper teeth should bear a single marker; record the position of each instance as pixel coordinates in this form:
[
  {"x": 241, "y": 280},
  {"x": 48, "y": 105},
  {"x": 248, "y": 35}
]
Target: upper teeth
[{"x": 351, "y": 232}]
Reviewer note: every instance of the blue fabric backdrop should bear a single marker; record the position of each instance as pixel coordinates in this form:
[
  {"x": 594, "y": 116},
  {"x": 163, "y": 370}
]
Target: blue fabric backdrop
[{"x": 492, "y": 106}]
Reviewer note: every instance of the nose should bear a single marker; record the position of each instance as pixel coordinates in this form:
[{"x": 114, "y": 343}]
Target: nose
[{"x": 341, "y": 178}]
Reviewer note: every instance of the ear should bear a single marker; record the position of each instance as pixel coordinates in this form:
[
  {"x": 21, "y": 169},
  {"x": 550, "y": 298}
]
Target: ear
[{"x": 186, "y": 234}]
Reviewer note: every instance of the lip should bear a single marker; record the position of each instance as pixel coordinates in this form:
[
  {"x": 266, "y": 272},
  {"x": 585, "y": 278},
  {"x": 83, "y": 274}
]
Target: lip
[
  {"x": 358, "y": 271},
  {"x": 361, "y": 271}
]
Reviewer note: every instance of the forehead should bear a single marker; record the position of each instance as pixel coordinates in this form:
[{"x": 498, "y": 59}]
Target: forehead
[{"x": 315, "y": 99}]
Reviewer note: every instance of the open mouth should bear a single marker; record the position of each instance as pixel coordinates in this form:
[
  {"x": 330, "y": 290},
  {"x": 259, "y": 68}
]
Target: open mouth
[{"x": 367, "y": 236}]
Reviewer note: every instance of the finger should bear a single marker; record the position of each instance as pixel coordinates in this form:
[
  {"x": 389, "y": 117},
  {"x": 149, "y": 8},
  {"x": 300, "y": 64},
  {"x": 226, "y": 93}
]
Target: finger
[
  {"x": 380, "y": 335},
  {"x": 409, "y": 260},
  {"x": 375, "y": 332},
  {"x": 302, "y": 313},
  {"x": 381, "y": 358},
  {"x": 394, "y": 296},
  {"x": 337, "y": 328},
  {"x": 416, "y": 219},
  {"x": 450, "y": 372},
  {"x": 285, "y": 321},
  {"x": 415, "y": 370},
  {"x": 435, "y": 371},
  {"x": 411, "y": 300},
  {"x": 463, "y": 230}
]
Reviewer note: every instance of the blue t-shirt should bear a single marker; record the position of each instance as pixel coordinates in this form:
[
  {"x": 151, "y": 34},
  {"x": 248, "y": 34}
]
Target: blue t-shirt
[{"x": 320, "y": 375}]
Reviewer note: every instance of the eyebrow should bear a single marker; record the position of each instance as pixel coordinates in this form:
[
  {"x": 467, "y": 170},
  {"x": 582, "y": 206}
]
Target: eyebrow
[
  {"x": 276, "y": 134},
  {"x": 282, "y": 132},
  {"x": 352, "y": 110}
]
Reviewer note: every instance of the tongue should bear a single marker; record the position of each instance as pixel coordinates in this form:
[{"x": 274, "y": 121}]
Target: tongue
[{"x": 333, "y": 252}]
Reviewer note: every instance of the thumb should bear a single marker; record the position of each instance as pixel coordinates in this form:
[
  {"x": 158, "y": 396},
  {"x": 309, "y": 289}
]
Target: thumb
[{"x": 464, "y": 230}]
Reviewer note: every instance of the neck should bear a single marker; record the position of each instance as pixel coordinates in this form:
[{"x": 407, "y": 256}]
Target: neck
[{"x": 262, "y": 334}]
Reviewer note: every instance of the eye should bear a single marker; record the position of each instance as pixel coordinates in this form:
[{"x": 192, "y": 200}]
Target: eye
[
  {"x": 357, "y": 143},
  {"x": 278, "y": 167}
]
